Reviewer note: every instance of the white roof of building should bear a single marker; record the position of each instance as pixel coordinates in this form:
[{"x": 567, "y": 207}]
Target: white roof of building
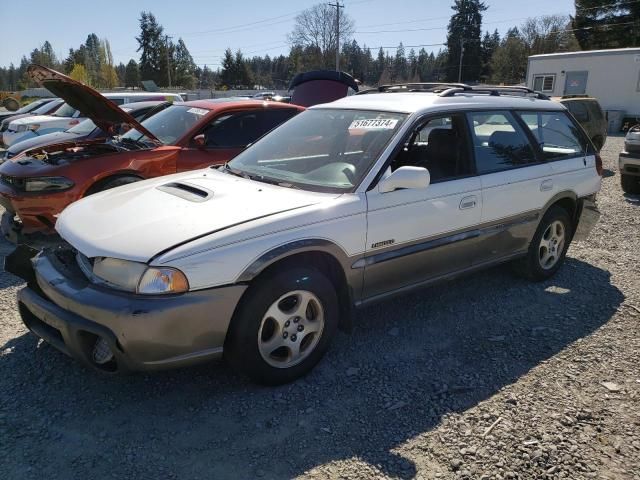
[
  {"x": 412, "y": 102},
  {"x": 587, "y": 53}
]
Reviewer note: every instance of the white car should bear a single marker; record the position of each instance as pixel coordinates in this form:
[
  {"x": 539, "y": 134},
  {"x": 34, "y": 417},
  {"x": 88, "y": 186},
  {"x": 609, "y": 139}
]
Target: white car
[
  {"x": 66, "y": 116},
  {"x": 25, "y": 128},
  {"x": 344, "y": 205},
  {"x": 629, "y": 162}
]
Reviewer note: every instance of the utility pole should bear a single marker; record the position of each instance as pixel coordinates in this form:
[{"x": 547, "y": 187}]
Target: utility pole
[
  {"x": 461, "y": 56},
  {"x": 338, "y": 7},
  {"x": 166, "y": 40}
]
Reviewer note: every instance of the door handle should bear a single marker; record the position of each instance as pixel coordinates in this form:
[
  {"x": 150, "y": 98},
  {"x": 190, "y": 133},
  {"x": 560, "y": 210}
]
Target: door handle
[
  {"x": 468, "y": 202},
  {"x": 546, "y": 185}
]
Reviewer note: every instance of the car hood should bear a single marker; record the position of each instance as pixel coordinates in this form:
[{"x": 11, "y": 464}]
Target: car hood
[
  {"x": 41, "y": 119},
  {"x": 104, "y": 113},
  {"x": 139, "y": 221}
]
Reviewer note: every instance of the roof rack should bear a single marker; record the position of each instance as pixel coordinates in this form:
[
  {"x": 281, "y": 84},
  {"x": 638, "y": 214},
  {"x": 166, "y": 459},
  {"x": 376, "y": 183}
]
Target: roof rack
[
  {"x": 495, "y": 91},
  {"x": 433, "y": 87}
]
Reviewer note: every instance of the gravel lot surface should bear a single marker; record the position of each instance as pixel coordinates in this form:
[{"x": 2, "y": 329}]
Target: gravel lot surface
[{"x": 484, "y": 377}]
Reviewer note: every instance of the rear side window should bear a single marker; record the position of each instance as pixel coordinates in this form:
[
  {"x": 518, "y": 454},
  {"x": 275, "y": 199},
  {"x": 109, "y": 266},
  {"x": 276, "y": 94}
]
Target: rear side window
[
  {"x": 556, "y": 134},
  {"x": 499, "y": 142}
]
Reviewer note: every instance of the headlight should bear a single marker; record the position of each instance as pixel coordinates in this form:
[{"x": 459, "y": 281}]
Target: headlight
[
  {"x": 139, "y": 277},
  {"x": 41, "y": 184},
  {"x": 162, "y": 280}
]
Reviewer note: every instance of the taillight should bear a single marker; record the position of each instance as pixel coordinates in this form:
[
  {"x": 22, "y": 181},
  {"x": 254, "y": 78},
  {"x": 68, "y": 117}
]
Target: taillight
[
  {"x": 599, "y": 164},
  {"x": 74, "y": 122}
]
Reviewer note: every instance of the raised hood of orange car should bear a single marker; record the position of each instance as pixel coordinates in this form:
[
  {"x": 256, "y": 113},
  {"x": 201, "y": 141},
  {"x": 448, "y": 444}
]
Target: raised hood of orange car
[{"x": 104, "y": 113}]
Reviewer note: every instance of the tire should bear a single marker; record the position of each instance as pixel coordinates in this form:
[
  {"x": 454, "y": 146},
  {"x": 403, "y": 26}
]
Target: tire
[
  {"x": 110, "y": 183},
  {"x": 630, "y": 184},
  {"x": 264, "y": 346},
  {"x": 548, "y": 247}
]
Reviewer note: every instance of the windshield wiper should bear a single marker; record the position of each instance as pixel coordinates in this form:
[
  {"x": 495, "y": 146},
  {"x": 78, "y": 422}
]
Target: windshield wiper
[{"x": 233, "y": 171}]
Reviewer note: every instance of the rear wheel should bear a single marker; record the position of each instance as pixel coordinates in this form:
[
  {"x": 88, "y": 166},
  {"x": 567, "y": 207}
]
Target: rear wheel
[
  {"x": 548, "y": 246},
  {"x": 283, "y": 326},
  {"x": 630, "y": 183}
]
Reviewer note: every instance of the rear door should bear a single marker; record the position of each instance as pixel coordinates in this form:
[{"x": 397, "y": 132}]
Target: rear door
[
  {"x": 516, "y": 183},
  {"x": 228, "y": 134}
]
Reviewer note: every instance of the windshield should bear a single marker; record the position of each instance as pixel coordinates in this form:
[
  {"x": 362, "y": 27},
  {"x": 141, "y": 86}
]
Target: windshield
[
  {"x": 83, "y": 128},
  {"x": 321, "y": 150},
  {"x": 65, "y": 110},
  {"x": 43, "y": 109},
  {"x": 169, "y": 125},
  {"x": 32, "y": 106}
]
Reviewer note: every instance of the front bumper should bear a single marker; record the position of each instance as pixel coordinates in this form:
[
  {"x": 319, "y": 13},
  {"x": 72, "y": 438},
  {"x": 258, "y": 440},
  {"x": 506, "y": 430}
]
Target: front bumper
[
  {"x": 144, "y": 333},
  {"x": 37, "y": 211},
  {"x": 588, "y": 216},
  {"x": 629, "y": 163}
]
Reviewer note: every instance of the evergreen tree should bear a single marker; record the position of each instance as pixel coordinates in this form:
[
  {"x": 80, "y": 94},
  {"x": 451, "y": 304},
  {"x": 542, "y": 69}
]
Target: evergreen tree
[
  {"x": 509, "y": 62},
  {"x": 228, "y": 72},
  {"x": 464, "y": 29},
  {"x": 607, "y": 24},
  {"x": 490, "y": 43},
  {"x": 151, "y": 46},
  {"x": 185, "y": 67},
  {"x": 400, "y": 69},
  {"x": 132, "y": 75}
]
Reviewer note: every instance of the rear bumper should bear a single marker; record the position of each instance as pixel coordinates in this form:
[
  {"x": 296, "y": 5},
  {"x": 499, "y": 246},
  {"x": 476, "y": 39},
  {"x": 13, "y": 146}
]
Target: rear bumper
[
  {"x": 629, "y": 163},
  {"x": 588, "y": 216},
  {"x": 143, "y": 333}
]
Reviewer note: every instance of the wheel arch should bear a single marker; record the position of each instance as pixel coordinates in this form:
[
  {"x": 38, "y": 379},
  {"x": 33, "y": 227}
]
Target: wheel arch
[
  {"x": 322, "y": 254},
  {"x": 94, "y": 187},
  {"x": 567, "y": 200}
]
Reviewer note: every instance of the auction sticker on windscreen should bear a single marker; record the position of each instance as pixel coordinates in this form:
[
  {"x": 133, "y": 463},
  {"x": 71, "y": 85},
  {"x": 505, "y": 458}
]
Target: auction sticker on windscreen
[
  {"x": 374, "y": 124},
  {"x": 198, "y": 111}
]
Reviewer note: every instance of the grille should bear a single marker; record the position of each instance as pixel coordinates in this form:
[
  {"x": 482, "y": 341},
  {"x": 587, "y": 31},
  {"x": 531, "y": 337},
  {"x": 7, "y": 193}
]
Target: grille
[{"x": 16, "y": 182}]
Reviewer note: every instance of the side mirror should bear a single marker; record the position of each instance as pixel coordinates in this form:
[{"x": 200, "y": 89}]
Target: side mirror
[
  {"x": 405, "y": 177},
  {"x": 199, "y": 141}
]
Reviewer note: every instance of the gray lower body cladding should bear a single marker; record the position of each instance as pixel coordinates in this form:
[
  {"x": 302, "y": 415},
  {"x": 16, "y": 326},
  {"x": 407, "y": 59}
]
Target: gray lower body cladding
[{"x": 144, "y": 333}]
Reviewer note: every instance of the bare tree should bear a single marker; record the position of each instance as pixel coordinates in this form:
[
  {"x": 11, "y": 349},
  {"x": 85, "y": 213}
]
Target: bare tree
[
  {"x": 548, "y": 34},
  {"x": 315, "y": 30}
]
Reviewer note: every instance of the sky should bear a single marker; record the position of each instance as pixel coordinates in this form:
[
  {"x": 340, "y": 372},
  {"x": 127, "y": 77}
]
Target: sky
[{"x": 257, "y": 27}]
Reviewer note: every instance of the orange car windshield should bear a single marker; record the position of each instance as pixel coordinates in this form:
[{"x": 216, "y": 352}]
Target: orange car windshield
[{"x": 169, "y": 125}]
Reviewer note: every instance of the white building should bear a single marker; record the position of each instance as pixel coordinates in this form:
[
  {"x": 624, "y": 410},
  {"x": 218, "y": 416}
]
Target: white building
[{"x": 611, "y": 76}]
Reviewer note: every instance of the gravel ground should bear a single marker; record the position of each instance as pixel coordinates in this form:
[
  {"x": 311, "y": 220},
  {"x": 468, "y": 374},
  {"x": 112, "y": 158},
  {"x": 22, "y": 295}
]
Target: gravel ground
[{"x": 487, "y": 376}]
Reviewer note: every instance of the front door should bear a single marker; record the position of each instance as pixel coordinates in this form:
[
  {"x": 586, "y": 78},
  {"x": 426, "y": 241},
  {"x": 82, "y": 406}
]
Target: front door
[{"x": 414, "y": 235}]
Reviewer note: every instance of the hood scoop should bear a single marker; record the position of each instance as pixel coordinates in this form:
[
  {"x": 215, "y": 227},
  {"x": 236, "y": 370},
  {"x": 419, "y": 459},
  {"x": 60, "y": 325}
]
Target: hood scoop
[{"x": 186, "y": 191}]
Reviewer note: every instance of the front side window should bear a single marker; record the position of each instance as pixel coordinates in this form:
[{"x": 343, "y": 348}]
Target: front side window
[
  {"x": 440, "y": 146},
  {"x": 328, "y": 150},
  {"x": 499, "y": 142},
  {"x": 556, "y": 134},
  {"x": 237, "y": 130},
  {"x": 83, "y": 128}
]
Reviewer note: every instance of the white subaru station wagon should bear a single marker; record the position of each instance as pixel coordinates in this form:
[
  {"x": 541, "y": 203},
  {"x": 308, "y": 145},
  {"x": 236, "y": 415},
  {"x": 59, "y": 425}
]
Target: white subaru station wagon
[{"x": 346, "y": 204}]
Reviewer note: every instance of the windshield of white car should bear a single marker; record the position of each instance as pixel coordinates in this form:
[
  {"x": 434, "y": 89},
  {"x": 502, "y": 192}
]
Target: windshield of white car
[
  {"x": 30, "y": 107},
  {"x": 65, "y": 110},
  {"x": 43, "y": 109},
  {"x": 169, "y": 125},
  {"x": 83, "y": 128},
  {"x": 324, "y": 150}
]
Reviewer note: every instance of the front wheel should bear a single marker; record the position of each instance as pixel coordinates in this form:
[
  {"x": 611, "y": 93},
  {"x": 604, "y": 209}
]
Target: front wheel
[
  {"x": 283, "y": 326},
  {"x": 548, "y": 247}
]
